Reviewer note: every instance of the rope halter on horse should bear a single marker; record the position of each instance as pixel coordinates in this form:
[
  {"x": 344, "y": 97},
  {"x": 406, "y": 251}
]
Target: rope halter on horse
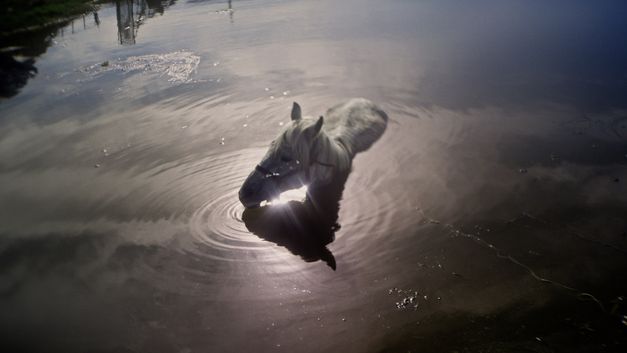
[{"x": 289, "y": 167}]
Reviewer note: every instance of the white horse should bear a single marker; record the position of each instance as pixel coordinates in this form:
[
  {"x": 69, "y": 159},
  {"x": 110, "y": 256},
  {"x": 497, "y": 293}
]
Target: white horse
[{"x": 314, "y": 152}]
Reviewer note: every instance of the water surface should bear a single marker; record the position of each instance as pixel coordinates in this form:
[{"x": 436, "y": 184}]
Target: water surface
[{"x": 489, "y": 217}]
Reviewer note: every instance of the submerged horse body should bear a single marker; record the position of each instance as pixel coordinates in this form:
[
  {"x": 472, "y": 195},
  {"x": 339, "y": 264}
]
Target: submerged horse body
[{"x": 314, "y": 152}]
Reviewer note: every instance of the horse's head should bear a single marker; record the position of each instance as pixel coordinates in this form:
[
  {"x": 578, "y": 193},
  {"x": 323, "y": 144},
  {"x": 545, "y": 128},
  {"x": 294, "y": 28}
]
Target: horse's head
[{"x": 286, "y": 164}]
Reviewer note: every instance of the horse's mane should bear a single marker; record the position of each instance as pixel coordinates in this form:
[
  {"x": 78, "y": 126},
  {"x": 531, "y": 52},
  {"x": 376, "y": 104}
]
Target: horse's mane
[{"x": 348, "y": 129}]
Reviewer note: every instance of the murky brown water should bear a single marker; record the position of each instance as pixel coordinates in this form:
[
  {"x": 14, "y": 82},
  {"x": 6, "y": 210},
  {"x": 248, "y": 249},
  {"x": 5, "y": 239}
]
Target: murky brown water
[{"x": 491, "y": 215}]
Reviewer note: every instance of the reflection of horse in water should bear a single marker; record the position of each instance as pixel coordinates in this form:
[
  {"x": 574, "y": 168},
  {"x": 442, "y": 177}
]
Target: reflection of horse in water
[
  {"x": 304, "y": 228},
  {"x": 316, "y": 153}
]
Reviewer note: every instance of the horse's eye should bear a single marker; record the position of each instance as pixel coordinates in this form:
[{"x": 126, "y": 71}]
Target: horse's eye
[{"x": 286, "y": 159}]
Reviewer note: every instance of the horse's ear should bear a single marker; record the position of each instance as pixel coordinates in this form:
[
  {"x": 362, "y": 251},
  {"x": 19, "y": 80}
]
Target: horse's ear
[
  {"x": 318, "y": 126},
  {"x": 296, "y": 113},
  {"x": 314, "y": 129}
]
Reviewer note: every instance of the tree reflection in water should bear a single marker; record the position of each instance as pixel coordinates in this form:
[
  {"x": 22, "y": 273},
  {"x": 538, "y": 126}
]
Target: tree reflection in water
[
  {"x": 131, "y": 14},
  {"x": 20, "y": 49}
]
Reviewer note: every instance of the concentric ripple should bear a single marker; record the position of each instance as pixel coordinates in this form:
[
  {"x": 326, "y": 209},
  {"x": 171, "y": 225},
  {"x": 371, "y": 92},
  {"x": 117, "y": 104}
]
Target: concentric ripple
[
  {"x": 217, "y": 225},
  {"x": 369, "y": 210},
  {"x": 217, "y": 229}
]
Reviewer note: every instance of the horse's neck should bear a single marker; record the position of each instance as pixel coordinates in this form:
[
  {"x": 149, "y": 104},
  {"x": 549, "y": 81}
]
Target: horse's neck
[
  {"x": 331, "y": 150},
  {"x": 330, "y": 158}
]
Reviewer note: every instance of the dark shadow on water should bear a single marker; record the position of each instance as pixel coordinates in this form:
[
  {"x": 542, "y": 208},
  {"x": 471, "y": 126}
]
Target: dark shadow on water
[
  {"x": 17, "y": 57},
  {"x": 303, "y": 228},
  {"x": 14, "y": 74}
]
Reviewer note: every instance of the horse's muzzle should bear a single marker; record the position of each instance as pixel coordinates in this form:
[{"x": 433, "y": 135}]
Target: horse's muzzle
[{"x": 255, "y": 190}]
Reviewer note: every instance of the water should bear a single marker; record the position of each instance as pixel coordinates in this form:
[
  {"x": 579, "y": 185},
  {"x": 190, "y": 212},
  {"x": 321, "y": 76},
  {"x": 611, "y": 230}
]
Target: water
[{"x": 489, "y": 217}]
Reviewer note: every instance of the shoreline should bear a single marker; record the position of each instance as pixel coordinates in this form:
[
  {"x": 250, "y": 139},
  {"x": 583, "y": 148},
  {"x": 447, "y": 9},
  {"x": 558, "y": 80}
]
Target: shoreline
[{"x": 18, "y": 17}]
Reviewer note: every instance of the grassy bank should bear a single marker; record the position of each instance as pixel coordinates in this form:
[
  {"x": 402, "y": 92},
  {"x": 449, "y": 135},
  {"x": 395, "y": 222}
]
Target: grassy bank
[{"x": 20, "y": 14}]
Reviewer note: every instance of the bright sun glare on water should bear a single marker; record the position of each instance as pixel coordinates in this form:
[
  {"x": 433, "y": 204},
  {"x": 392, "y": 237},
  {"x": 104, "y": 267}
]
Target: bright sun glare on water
[{"x": 290, "y": 195}]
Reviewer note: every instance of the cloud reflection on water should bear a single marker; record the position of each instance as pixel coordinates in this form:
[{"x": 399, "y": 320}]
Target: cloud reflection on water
[{"x": 152, "y": 248}]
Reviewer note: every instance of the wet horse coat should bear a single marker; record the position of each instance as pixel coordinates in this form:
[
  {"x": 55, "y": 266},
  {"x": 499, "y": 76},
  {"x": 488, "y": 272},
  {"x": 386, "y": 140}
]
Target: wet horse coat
[{"x": 314, "y": 152}]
